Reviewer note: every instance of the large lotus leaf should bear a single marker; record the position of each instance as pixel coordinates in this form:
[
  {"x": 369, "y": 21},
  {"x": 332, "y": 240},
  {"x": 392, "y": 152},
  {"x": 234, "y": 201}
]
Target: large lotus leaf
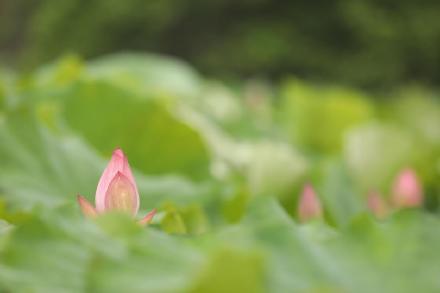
[
  {"x": 109, "y": 114},
  {"x": 232, "y": 270},
  {"x": 317, "y": 118},
  {"x": 375, "y": 152},
  {"x": 266, "y": 252},
  {"x": 147, "y": 74},
  {"x": 153, "y": 138},
  {"x": 270, "y": 166},
  {"x": 58, "y": 74},
  {"x": 274, "y": 168},
  {"x": 59, "y": 252},
  {"x": 41, "y": 167},
  {"x": 340, "y": 197},
  {"x": 419, "y": 109},
  {"x": 367, "y": 256},
  {"x": 419, "y": 112}
]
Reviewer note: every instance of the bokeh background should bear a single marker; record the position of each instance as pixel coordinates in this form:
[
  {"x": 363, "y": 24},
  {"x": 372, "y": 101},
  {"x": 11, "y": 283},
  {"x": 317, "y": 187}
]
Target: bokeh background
[
  {"x": 226, "y": 110},
  {"x": 371, "y": 44}
]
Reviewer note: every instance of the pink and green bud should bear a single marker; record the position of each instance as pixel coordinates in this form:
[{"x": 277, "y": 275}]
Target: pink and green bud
[
  {"x": 121, "y": 195},
  {"x": 377, "y": 205},
  {"x": 407, "y": 191},
  {"x": 116, "y": 190},
  {"x": 117, "y": 186},
  {"x": 309, "y": 206}
]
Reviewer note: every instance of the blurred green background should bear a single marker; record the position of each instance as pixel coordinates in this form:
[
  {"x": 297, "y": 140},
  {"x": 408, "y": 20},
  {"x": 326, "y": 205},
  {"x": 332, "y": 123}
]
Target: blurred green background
[
  {"x": 225, "y": 110},
  {"x": 372, "y": 43}
]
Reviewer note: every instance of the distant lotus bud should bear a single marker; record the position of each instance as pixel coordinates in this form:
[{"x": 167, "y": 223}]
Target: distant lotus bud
[
  {"x": 116, "y": 190},
  {"x": 377, "y": 205},
  {"x": 407, "y": 191},
  {"x": 309, "y": 206}
]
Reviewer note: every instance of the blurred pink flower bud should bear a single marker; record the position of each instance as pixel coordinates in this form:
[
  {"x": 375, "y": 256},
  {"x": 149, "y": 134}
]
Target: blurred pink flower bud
[
  {"x": 309, "y": 206},
  {"x": 377, "y": 205},
  {"x": 116, "y": 190},
  {"x": 407, "y": 191}
]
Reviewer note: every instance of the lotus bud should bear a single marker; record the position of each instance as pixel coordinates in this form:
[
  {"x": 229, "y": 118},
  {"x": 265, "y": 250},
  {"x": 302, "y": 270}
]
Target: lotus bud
[
  {"x": 116, "y": 190},
  {"x": 309, "y": 207},
  {"x": 407, "y": 191}
]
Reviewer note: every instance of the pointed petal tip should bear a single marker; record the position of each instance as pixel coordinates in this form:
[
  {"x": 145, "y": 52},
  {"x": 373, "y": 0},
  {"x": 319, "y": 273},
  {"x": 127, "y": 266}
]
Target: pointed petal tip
[
  {"x": 80, "y": 198},
  {"x": 308, "y": 195},
  {"x": 148, "y": 218},
  {"x": 86, "y": 207},
  {"x": 118, "y": 152}
]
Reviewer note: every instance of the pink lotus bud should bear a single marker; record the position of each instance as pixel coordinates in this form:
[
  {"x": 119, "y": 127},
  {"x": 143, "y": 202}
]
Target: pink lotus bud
[
  {"x": 309, "y": 206},
  {"x": 116, "y": 190},
  {"x": 377, "y": 205},
  {"x": 117, "y": 168},
  {"x": 407, "y": 191}
]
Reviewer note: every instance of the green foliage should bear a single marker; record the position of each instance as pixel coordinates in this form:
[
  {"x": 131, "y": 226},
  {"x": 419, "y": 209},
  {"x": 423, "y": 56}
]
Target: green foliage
[
  {"x": 375, "y": 152},
  {"x": 369, "y": 43},
  {"x": 331, "y": 110},
  {"x": 144, "y": 128},
  {"x": 249, "y": 278},
  {"x": 225, "y": 176}
]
